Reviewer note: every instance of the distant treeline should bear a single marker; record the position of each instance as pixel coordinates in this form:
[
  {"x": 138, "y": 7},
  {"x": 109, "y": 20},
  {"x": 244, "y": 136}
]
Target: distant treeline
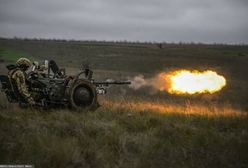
[{"x": 125, "y": 42}]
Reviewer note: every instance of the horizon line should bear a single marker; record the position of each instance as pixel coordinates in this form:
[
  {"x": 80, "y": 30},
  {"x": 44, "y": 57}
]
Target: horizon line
[{"x": 123, "y": 41}]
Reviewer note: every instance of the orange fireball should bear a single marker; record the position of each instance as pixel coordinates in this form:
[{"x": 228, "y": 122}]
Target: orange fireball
[{"x": 191, "y": 82}]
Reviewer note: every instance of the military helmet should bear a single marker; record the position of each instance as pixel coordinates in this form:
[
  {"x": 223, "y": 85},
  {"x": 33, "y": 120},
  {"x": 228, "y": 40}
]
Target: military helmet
[{"x": 23, "y": 62}]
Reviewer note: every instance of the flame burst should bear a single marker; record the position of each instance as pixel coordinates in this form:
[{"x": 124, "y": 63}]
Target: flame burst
[{"x": 191, "y": 82}]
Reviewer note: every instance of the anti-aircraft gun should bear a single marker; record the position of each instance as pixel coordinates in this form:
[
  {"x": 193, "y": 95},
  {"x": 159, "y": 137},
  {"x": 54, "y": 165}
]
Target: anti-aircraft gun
[{"x": 51, "y": 87}]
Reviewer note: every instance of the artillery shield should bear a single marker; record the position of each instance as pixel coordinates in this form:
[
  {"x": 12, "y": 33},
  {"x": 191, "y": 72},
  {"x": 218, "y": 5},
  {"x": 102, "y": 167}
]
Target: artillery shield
[{"x": 82, "y": 94}]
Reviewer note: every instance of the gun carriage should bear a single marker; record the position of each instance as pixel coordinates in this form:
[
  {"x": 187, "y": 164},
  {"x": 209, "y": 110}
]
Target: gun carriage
[{"x": 55, "y": 89}]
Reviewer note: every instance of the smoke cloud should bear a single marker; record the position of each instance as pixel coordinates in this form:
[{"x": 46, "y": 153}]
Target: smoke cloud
[{"x": 139, "y": 82}]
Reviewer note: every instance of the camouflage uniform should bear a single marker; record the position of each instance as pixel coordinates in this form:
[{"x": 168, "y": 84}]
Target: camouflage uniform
[{"x": 18, "y": 76}]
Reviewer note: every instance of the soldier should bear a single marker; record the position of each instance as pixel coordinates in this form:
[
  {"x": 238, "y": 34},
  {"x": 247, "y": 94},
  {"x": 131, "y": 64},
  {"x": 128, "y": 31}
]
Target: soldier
[
  {"x": 87, "y": 72},
  {"x": 18, "y": 77}
]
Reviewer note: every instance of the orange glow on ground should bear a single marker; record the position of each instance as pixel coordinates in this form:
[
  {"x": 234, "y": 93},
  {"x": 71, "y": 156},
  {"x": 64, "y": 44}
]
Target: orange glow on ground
[{"x": 187, "y": 109}]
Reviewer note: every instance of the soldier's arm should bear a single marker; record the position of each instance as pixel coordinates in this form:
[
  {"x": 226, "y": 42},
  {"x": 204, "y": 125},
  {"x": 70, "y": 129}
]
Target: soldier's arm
[{"x": 22, "y": 87}]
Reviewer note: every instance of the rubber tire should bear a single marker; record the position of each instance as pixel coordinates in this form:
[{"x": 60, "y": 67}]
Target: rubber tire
[{"x": 90, "y": 87}]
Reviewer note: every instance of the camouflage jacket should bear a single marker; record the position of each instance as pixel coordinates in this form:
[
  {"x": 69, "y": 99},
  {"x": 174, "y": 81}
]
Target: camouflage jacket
[{"x": 18, "y": 77}]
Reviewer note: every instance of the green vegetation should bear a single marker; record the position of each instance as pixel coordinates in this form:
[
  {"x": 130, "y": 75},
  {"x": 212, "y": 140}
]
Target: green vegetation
[{"x": 12, "y": 55}]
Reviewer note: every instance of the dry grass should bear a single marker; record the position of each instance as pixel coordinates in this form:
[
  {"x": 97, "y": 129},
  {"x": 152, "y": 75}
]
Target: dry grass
[{"x": 125, "y": 133}]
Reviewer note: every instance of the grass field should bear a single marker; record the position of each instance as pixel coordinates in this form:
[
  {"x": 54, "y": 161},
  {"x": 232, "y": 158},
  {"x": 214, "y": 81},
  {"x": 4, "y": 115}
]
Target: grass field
[
  {"x": 12, "y": 55},
  {"x": 132, "y": 128}
]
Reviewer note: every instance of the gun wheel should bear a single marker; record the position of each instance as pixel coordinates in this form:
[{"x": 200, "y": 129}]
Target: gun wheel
[{"x": 83, "y": 95}]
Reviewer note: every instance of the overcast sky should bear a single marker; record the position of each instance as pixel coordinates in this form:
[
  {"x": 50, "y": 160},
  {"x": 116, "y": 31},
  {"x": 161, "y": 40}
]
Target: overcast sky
[{"x": 209, "y": 21}]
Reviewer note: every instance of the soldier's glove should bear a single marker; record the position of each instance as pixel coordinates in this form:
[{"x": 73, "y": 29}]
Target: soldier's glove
[{"x": 31, "y": 101}]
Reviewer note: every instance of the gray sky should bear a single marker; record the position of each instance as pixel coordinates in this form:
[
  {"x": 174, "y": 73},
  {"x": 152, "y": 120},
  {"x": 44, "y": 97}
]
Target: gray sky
[{"x": 221, "y": 21}]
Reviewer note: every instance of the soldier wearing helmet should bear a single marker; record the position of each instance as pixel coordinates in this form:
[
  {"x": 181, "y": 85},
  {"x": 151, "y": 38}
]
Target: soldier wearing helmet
[{"x": 18, "y": 77}]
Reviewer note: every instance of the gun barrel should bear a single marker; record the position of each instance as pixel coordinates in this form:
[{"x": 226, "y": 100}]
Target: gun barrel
[{"x": 113, "y": 83}]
